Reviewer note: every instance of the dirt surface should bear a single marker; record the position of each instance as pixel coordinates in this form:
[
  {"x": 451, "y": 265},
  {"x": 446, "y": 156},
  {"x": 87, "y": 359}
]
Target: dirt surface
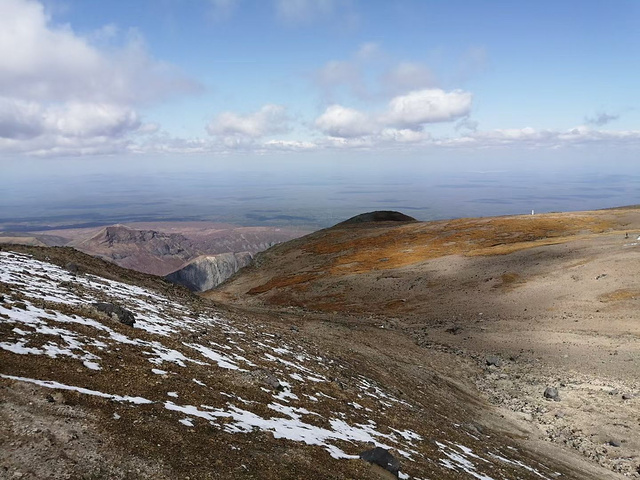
[
  {"x": 554, "y": 297},
  {"x": 196, "y": 391}
]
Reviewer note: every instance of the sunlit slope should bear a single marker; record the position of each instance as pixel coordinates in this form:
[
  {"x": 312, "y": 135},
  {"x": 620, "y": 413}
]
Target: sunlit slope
[{"x": 325, "y": 270}]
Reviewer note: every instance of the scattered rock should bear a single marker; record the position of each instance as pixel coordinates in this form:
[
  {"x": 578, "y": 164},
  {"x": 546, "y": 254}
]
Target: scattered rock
[
  {"x": 56, "y": 397},
  {"x": 494, "y": 360},
  {"x": 455, "y": 330},
  {"x": 560, "y": 414},
  {"x": 20, "y": 305},
  {"x": 627, "y": 396},
  {"x": 614, "y": 443},
  {"x": 602, "y": 275},
  {"x": 124, "y": 316},
  {"x": 293, "y": 328},
  {"x": 267, "y": 378},
  {"x": 552, "y": 394},
  {"x": 476, "y": 428},
  {"x": 72, "y": 267},
  {"x": 381, "y": 457}
]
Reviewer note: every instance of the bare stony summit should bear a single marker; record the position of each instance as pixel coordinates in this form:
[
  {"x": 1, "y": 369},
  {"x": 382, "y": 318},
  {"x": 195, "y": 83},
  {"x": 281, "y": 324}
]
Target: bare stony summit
[{"x": 379, "y": 216}]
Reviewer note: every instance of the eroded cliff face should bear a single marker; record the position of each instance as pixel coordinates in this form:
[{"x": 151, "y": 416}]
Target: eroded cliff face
[{"x": 208, "y": 271}]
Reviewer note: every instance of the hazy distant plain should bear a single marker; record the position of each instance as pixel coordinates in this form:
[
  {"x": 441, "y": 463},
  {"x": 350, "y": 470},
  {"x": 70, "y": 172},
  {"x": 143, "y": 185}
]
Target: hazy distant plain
[{"x": 311, "y": 192}]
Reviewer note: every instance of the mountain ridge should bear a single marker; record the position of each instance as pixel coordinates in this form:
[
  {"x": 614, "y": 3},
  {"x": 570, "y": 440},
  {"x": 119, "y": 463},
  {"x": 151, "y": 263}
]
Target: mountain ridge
[{"x": 434, "y": 342}]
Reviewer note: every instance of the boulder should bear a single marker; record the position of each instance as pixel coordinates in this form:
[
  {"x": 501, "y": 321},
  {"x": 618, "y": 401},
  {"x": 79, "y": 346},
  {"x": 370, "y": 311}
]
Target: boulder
[
  {"x": 123, "y": 315},
  {"x": 493, "y": 360},
  {"x": 552, "y": 394},
  {"x": 381, "y": 457}
]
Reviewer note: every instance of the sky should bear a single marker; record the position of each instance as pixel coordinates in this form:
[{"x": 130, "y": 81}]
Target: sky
[{"x": 293, "y": 85}]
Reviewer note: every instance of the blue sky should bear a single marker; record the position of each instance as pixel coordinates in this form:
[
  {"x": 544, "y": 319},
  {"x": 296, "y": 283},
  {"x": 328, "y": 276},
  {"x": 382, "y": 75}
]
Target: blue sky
[{"x": 311, "y": 77}]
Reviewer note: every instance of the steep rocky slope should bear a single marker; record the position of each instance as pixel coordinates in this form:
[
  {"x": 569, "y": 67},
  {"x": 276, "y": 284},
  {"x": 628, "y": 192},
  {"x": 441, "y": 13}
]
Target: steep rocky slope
[
  {"x": 208, "y": 271},
  {"x": 149, "y": 251},
  {"x": 193, "y": 391},
  {"x": 554, "y": 298},
  {"x": 158, "y": 248}
]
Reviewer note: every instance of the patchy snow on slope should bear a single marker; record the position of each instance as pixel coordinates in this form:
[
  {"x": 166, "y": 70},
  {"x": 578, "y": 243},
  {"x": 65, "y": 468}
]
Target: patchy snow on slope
[
  {"x": 167, "y": 337},
  {"x": 85, "y": 391}
]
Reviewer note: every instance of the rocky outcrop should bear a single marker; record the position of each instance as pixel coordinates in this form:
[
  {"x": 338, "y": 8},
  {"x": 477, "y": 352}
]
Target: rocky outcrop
[{"x": 208, "y": 271}]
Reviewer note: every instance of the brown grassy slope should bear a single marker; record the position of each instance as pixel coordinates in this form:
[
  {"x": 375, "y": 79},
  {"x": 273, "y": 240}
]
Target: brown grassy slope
[{"x": 324, "y": 270}]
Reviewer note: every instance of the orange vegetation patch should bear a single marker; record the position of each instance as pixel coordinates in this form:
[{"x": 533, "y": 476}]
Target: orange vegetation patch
[
  {"x": 362, "y": 250},
  {"x": 280, "y": 282},
  {"x": 621, "y": 294}
]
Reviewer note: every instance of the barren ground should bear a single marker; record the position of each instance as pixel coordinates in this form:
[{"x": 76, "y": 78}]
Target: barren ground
[{"x": 555, "y": 297}]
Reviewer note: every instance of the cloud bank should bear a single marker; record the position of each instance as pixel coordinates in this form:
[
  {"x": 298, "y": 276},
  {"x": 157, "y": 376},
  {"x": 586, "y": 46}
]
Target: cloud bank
[
  {"x": 58, "y": 90},
  {"x": 410, "y": 112}
]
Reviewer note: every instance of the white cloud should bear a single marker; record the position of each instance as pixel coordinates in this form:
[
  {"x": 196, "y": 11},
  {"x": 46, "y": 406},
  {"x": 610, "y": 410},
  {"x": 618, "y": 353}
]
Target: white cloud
[
  {"x": 61, "y": 90},
  {"x": 343, "y": 122},
  {"x": 76, "y": 119},
  {"x": 149, "y": 128},
  {"x": 542, "y": 138},
  {"x": 404, "y": 112},
  {"x": 31, "y": 127},
  {"x": 20, "y": 120},
  {"x": 45, "y": 62},
  {"x": 427, "y": 106},
  {"x": 269, "y": 120},
  {"x": 403, "y": 135},
  {"x": 387, "y": 138},
  {"x": 289, "y": 145}
]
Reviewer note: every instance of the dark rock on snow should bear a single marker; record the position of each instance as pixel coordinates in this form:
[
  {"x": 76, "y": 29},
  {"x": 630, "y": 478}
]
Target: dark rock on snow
[
  {"x": 123, "y": 315},
  {"x": 381, "y": 457}
]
